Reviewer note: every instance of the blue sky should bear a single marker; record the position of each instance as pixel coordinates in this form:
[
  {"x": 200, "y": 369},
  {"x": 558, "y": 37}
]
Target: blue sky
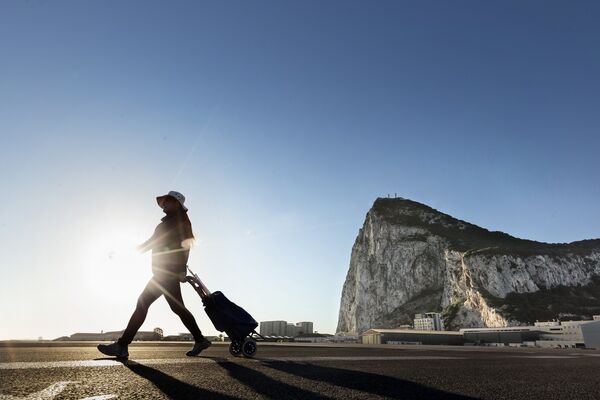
[{"x": 281, "y": 122}]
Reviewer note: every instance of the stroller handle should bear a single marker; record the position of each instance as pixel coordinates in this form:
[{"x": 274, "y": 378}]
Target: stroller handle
[{"x": 197, "y": 284}]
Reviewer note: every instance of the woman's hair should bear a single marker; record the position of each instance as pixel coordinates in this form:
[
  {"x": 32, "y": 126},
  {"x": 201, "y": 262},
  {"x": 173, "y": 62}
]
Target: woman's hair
[{"x": 186, "y": 224}]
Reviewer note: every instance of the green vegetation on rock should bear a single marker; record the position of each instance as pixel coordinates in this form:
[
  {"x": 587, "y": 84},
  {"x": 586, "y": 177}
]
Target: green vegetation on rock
[
  {"x": 450, "y": 312},
  {"x": 566, "y": 302},
  {"x": 464, "y": 236}
]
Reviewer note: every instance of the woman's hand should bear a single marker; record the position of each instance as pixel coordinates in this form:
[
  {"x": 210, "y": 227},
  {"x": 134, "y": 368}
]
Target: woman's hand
[{"x": 148, "y": 244}]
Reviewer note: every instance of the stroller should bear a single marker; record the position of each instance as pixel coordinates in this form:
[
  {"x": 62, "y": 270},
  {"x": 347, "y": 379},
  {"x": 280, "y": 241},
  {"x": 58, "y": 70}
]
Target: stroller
[{"x": 229, "y": 318}]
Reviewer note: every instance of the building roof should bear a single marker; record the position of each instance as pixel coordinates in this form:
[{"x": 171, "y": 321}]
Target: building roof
[
  {"x": 414, "y": 331},
  {"x": 503, "y": 329},
  {"x": 305, "y": 335}
]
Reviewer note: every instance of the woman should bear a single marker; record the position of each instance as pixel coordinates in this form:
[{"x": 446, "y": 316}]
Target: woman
[{"x": 170, "y": 245}]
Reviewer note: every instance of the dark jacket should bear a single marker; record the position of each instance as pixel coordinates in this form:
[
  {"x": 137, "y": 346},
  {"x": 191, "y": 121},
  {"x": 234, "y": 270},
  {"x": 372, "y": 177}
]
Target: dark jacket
[{"x": 168, "y": 255}]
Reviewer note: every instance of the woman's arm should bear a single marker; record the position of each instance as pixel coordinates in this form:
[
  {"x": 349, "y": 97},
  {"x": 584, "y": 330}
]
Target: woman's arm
[{"x": 148, "y": 244}]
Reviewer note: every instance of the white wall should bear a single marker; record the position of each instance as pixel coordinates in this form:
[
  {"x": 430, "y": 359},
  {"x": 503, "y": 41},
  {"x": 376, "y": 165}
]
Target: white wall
[{"x": 591, "y": 334}]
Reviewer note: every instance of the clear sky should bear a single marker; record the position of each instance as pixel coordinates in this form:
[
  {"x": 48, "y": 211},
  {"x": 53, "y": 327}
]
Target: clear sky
[{"x": 281, "y": 122}]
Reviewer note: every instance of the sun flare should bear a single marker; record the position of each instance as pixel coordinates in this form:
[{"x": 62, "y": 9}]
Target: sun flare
[{"x": 112, "y": 259}]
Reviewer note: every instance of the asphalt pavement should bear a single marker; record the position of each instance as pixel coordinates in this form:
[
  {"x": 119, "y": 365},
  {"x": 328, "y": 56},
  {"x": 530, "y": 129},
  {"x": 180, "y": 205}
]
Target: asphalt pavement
[{"x": 291, "y": 371}]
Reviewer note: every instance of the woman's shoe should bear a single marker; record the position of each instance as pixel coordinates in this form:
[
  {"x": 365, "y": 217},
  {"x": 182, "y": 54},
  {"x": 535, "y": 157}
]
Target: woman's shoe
[
  {"x": 114, "y": 349},
  {"x": 198, "y": 347}
]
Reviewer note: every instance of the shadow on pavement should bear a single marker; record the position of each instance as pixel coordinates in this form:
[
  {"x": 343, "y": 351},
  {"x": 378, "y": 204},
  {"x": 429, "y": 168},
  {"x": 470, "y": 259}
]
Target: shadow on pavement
[
  {"x": 367, "y": 382},
  {"x": 172, "y": 387},
  {"x": 265, "y": 385}
]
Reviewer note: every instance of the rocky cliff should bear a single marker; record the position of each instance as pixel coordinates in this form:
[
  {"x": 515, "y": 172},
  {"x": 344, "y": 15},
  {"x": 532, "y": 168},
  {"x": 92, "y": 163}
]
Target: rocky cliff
[{"x": 409, "y": 258}]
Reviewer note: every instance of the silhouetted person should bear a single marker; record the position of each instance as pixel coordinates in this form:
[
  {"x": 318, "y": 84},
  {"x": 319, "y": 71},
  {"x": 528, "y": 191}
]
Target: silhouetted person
[{"x": 170, "y": 245}]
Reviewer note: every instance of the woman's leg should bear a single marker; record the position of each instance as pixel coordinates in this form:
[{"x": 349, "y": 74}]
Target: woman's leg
[
  {"x": 172, "y": 292},
  {"x": 151, "y": 292}
]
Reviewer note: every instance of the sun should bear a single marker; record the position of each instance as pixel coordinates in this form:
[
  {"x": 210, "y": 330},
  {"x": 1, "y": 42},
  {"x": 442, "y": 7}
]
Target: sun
[{"x": 112, "y": 260}]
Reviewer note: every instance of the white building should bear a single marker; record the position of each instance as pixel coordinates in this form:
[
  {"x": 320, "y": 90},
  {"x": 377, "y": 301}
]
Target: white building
[
  {"x": 304, "y": 327},
  {"x": 411, "y": 336},
  {"x": 547, "y": 323},
  {"x": 273, "y": 328},
  {"x": 565, "y": 331},
  {"x": 429, "y": 322},
  {"x": 545, "y": 334},
  {"x": 554, "y": 334},
  {"x": 291, "y": 330},
  {"x": 284, "y": 328},
  {"x": 591, "y": 333}
]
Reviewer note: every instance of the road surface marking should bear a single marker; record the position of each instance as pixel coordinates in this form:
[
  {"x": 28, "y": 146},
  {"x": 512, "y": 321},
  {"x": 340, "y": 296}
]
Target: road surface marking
[
  {"x": 110, "y": 362},
  {"x": 49, "y": 393},
  {"x": 358, "y": 358},
  {"x": 52, "y": 391},
  {"x": 202, "y": 360},
  {"x": 544, "y": 357},
  {"x": 100, "y": 363},
  {"x": 585, "y": 355}
]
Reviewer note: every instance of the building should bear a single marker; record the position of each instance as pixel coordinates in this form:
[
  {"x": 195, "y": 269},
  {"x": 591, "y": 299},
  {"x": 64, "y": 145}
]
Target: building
[
  {"x": 591, "y": 333},
  {"x": 542, "y": 334},
  {"x": 430, "y": 321},
  {"x": 565, "y": 331},
  {"x": 140, "y": 335},
  {"x": 284, "y": 328},
  {"x": 186, "y": 337},
  {"x": 278, "y": 338},
  {"x": 304, "y": 327},
  {"x": 156, "y": 334},
  {"x": 344, "y": 338},
  {"x": 313, "y": 338},
  {"x": 159, "y": 332},
  {"x": 561, "y": 334},
  {"x": 569, "y": 334},
  {"x": 411, "y": 336},
  {"x": 83, "y": 336},
  {"x": 291, "y": 330},
  {"x": 504, "y": 336},
  {"x": 273, "y": 328}
]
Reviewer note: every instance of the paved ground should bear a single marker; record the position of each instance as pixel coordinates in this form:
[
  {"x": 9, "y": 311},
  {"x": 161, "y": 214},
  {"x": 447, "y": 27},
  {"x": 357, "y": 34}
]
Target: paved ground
[{"x": 162, "y": 371}]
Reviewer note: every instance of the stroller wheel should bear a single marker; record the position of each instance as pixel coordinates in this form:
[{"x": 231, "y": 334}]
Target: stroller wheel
[
  {"x": 235, "y": 348},
  {"x": 249, "y": 347}
]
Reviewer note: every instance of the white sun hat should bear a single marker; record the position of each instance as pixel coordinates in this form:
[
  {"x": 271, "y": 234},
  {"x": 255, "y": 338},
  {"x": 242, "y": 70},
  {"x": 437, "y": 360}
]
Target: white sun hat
[{"x": 176, "y": 195}]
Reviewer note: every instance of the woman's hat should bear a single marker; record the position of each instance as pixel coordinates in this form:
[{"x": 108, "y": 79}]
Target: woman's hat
[{"x": 176, "y": 195}]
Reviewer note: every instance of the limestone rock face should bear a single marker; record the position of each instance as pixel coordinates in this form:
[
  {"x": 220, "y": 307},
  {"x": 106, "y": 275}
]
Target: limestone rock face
[{"x": 409, "y": 258}]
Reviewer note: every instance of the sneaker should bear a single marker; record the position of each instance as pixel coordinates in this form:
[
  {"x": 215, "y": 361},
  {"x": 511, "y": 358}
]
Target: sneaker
[
  {"x": 198, "y": 347},
  {"x": 114, "y": 349}
]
